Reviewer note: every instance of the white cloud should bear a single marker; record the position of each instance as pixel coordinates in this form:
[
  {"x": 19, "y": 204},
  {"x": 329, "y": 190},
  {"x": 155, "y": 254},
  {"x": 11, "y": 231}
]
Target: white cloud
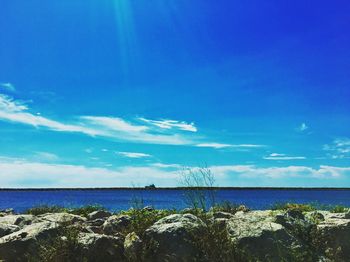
[
  {"x": 213, "y": 145},
  {"x": 35, "y": 174},
  {"x": 45, "y": 157},
  {"x": 219, "y": 145},
  {"x": 161, "y": 165},
  {"x": 113, "y": 124},
  {"x": 23, "y": 173},
  {"x": 8, "y": 86},
  {"x": 250, "y": 171},
  {"x": 133, "y": 154},
  {"x": 276, "y": 156},
  {"x": 303, "y": 127},
  {"x": 339, "y": 148},
  {"x": 111, "y": 127},
  {"x": 169, "y": 124}
]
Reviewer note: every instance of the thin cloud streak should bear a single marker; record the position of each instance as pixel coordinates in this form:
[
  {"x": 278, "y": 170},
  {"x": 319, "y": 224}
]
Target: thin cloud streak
[{"x": 134, "y": 155}]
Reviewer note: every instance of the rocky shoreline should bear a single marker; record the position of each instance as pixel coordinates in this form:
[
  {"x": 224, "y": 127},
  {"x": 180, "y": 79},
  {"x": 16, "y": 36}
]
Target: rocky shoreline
[{"x": 164, "y": 235}]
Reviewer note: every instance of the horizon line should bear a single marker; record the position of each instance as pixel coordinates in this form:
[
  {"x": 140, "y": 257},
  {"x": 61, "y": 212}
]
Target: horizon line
[{"x": 170, "y": 188}]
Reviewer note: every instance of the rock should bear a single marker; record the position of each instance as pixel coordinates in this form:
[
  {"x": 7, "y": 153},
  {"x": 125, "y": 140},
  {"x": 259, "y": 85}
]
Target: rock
[
  {"x": 115, "y": 224},
  {"x": 148, "y": 208},
  {"x": 243, "y": 208},
  {"x": 15, "y": 246},
  {"x": 18, "y": 220},
  {"x": 172, "y": 238},
  {"x": 7, "y": 211},
  {"x": 257, "y": 234},
  {"x": 294, "y": 220},
  {"x": 6, "y": 229},
  {"x": 220, "y": 214},
  {"x": 314, "y": 216},
  {"x": 333, "y": 234},
  {"x": 97, "y": 222},
  {"x": 101, "y": 247},
  {"x": 132, "y": 247},
  {"x": 99, "y": 214},
  {"x": 62, "y": 218}
]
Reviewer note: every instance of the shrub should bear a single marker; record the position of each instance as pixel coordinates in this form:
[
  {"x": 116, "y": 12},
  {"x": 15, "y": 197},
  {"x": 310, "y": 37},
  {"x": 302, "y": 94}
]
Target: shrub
[
  {"x": 85, "y": 210},
  {"x": 339, "y": 209},
  {"x": 43, "y": 209},
  {"x": 64, "y": 247},
  {"x": 229, "y": 207},
  {"x": 293, "y": 206},
  {"x": 199, "y": 190},
  {"x": 141, "y": 219}
]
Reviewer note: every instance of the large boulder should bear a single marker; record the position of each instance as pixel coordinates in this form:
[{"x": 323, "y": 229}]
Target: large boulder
[
  {"x": 15, "y": 246},
  {"x": 132, "y": 247},
  {"x": 6, "y": 229},
  {"x": 333, "y": 235},
  {"x": 97, "y": 247},
  {"x": 116, "y": 224},
  {"x": 62, "y": 218},
  {"x": 173, "y": 238},
  {"x": 18, "y": 220},
  {"x": 258, "y": 235},
  {"x": 99, "y": 214}
]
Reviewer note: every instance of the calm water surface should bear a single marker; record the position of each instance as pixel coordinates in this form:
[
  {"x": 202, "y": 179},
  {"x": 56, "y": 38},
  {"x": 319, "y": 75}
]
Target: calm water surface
[{"x": 121, "y": 199}]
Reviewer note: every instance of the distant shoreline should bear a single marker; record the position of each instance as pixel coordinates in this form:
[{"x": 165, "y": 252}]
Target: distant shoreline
[{"x": 174, "y": 188}]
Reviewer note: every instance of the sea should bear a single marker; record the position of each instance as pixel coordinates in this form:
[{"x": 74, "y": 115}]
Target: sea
[{"x": 122, "y": 199}]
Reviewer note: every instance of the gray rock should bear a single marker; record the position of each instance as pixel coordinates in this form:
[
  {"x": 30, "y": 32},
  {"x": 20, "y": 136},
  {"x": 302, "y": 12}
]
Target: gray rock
[
  {"x": 18, "y": 220},
  {"x": 116, "y": 223},
  {"x": 225, "y": 215},
  {"x": 333, "y": 235},
  {"x": 6, "y": 229},
  {"x": 7, "y": 211},
  {"x": 257, "y": 234},
  {"x": 314, "y": 216},
  {"x": 99, "y": 214},
  {"x": 97, "y": 222},
  {"x": 15, "y": 246},
  {"x": 62, "y": 218},
  {"x": 148, "y": 208},
  {"x": 172, "y": 238},
  {"x": 101, "y": 247},
  {"x": 132, "y": 247}
]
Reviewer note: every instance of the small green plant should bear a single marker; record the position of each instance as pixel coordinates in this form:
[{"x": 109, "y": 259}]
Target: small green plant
[
  {"x": 293, "y": 206},
  {"x": 339, "y": 209},
  {"x": 85, "y": 210},
  {"x": 229, "y": 207},
  {"x": 141, "y": 219},
  {"x": 64, "y": 247},
  {"x": 43, "y": 209}
]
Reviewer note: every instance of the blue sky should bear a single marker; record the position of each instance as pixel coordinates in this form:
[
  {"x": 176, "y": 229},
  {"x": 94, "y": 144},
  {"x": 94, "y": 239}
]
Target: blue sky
[{"x": 118, "y": 93}]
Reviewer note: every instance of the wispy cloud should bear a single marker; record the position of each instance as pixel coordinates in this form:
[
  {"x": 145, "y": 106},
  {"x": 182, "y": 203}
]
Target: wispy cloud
[
  {"x": 219, "y": 145},
  {"x": 171, "y": 124},
  {"x": 302, "y": 128},
  {"x": 276, "y": 156},
  {"x": 113, "y": 124},
  {"x": 23, "y": 173},
  {"x": 8, "y": 87},
  {"x": 283, "y": 172},
  {"x": 134, "y": 154},
  {"x": 339, "y": 148},
  {"x": 111, "y": 127},
  {"x": 45, "y": 157}
]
